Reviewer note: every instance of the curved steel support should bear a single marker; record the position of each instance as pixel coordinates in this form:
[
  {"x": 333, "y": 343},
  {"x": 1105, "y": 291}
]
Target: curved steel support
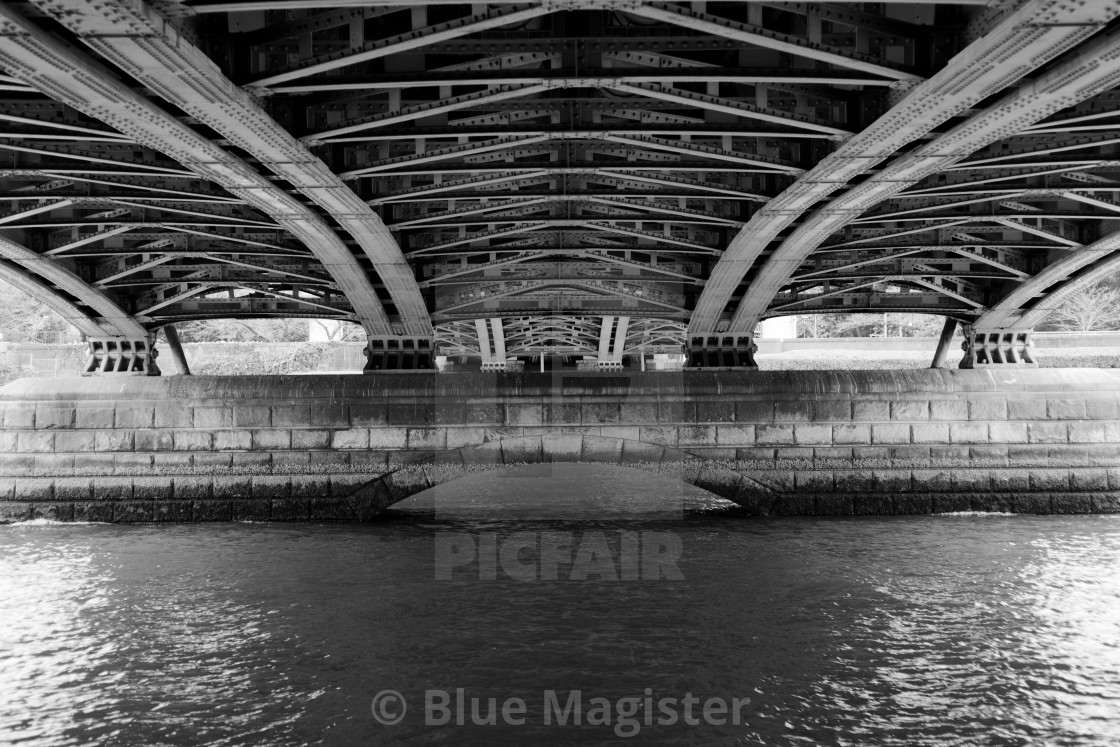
[
  {"x": 34, "y": 57},
  {"x": 1042, "y": 309},
  {"x": 1035, "y": 33},
  {"x": 117, "y": 321},
  {"x": 146, "y": 45}
]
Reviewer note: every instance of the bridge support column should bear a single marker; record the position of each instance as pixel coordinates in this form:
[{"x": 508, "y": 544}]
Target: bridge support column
[
  {"x": 612, "y": 342},
  {"x": 1001, "y": 347},
  {"x": 491, "y": 343},
  {"x": 122, "y": 356},
  {"x": 941, "y": 355},
  {"x": 398, "y": 354},
  {"x": 176, "y": 349},
  {"x": 722, "y": 351}
]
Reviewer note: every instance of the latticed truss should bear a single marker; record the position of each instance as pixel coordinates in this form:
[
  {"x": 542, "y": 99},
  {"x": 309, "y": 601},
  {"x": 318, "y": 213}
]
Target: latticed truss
[{"x": 543, "y": 170}]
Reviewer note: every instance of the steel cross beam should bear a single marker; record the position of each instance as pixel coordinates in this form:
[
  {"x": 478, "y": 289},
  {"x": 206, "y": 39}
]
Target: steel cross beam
[
  {"x": 145, "y": 44},
  {"x": 1035, "y": 32}
]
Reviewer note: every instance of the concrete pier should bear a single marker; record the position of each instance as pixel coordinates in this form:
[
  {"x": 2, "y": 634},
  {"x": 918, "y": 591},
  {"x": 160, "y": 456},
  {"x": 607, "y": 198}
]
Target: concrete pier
[{"x": 345, "y": 447}]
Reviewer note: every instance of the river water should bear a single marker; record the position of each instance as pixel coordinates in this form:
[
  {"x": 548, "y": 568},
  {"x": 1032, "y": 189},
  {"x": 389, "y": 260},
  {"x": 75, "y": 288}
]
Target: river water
[{"x": 948, "y": 630}]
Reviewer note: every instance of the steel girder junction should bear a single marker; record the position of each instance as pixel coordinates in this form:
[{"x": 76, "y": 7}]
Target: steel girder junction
[{"x": 507, "y": 180}]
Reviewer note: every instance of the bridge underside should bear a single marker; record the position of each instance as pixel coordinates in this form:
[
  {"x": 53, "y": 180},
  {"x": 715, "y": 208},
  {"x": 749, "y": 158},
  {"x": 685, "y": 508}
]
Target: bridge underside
[{"x": 605, "y": 178}]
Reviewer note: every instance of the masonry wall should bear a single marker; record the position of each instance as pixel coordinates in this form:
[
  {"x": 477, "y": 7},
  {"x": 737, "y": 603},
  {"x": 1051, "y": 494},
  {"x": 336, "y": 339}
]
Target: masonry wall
[{"x": 298, "y": 447}]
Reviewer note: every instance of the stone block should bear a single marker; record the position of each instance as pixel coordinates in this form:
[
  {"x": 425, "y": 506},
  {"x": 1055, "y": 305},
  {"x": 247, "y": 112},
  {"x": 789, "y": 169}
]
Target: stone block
[
  {"x": 751, "y": 411},
  {"x": 115, "y": 441},
  {"x": 1088, "y": 479},
  {"x": 254, "y": 459},
  {"x": 112, "y": 488},
  {"x": 327, "y": 416},
  {"x": 271, "y": 486},
  {"x": 600, "y": 413},
  {"x": 193, "y": 440},
  {"x": 735, "y": 435},
  {"x": 52, "y": 511},
  {"x": 1010, "y": 480},
  {"x": 445, "y": 412},
  {"x": 948, "y": 409},
  {"x": 568, "y": 413},
  {"x": 873, "y": 505},
  {"x": 210, "y": 460},
  {"x": 309, "y": 486},
  {"x": 891, "y": 480},
  {"x": 815, "y": 481},
  {"x": 1048, "y": 480},
  {"x": 272, "y": 438},
  {"x": 488, "y": 413},
  {"x": 629, "y": 432},
  {"x": 832, "y": 454},
  {"x": 1102, "y": 408},
  {"x": 365, "y": 414},
  {"x": 191, "y": 487},
  {"x": 871, "y": 410},
  {"x": 755, "y": 454},
  {"x": 943, "y": 454},
  {"x": 233, "y": 440},
  {"x": 988, "y": 453},
  {"x": 987, "y": 409},
  {"x": 910, "y": 453},
  {"x": 410, "y": 413},
  {"x": 676, "y": 412},
  {"x": 813, "y": 434},
  {"x": 522, "y": 414},
  {"x": 779, "y": 480},
  {"x": 968, "y": 433},
  {"x": 894, "y": 433},
  {"x": 913, "y": 504},
  {"x": 663, "y": 435},
  {"x": 966, "y": 480},
  {"x": 152, "y": 488},
  {"x": 931, "y": 481},
  {"x": 993, "y": 502},
  {"x": 872, "y": 453},
  {"x": 231, "y": 486},
  {"x": 14, "y": 511},
  {"x": 792, "y": 411},
  {"x": 257, "y": 509},
  {"x": 1026, "y": 409},
  {"x": 213, "y": 417},
  {"x": 946, "y": 504},
  {"x": 1007, "y": 432},
  {"x": 696, "y": 435},
  {"x": 637, "y": 451},
  {"x": 830, "y": 411},
  {"x": 774, "y": 435},
  {"x": 85, "y": 417},
  {"x": 851, "y": 434},
  {"x": 427, "y": 439},
  {"x": 1087, "y": 432},
  {"x": 562, "y": 448},
  {"x": 8, "y": 442},
  {"x": 252, "y": 416},
  {"x": 1032, "y": 504},
  {"x": 715, "y": 412},
  {"x": 1105, "y": 503},
  {"x": 344, "y": 485},
  {"x": 290, "y": 509},
  {"x": 311, "y": 439},
  {"x": 171, "y": 416},
  {"x": 458, "y": 437},
  {"x": 910, "y": 410},
  {"x": 793, "y": 505},
  {"x": 35, "y": 441},
  {"x": 1065, "y": 409},
  {"x": 133, "y": 512},
  {"x": 601, "y": 449},
  {"x": 1071, "y": 503},
  {"x": 129, "y": 416},
  {"x": 1048, "y": 433},
  {"x": 81, "y": 488},
  {"x": 153, "y": 439},
  {"x": 354, "y": 438},
  {"x": 178, "y": 512},
  {"x": 519, "y": 450},
  {"x": 835, "y": 505},
  {"x": 298, "y": 416},
  {"x": 213, "y": 510},
  {"x": 851, "y": 481},
  {"x": 47, "y": 416},
  {"x": 387, "y": 438},
  {"x": 68, "y": 441}
]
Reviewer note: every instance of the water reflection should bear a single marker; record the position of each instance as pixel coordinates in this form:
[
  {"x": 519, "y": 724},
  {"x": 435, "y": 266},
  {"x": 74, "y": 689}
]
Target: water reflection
[{"x": 910, "y": 630}]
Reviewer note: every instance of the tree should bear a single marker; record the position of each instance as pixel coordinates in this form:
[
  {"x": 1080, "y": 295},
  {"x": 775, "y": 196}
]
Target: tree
[
  {"x": 244, "y": 330},
  {"x": 22, "y": 315},
  {"x": 866, "y": 324},
  {"x": 340, "y": 331},
  {"x": 1092, "y": 308}
]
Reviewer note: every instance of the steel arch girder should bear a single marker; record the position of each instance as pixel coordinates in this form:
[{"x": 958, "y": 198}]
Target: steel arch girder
[{"x": 1036, "y": 32}]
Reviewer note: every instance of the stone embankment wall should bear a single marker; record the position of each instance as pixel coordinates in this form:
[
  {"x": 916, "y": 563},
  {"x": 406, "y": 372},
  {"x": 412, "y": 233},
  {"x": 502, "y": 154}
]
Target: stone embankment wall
[{"x": 332, "y": 447}]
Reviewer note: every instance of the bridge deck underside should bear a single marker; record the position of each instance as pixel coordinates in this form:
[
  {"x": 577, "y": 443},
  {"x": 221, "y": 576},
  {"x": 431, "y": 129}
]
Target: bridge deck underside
[{"x": 689, "y": 167}]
